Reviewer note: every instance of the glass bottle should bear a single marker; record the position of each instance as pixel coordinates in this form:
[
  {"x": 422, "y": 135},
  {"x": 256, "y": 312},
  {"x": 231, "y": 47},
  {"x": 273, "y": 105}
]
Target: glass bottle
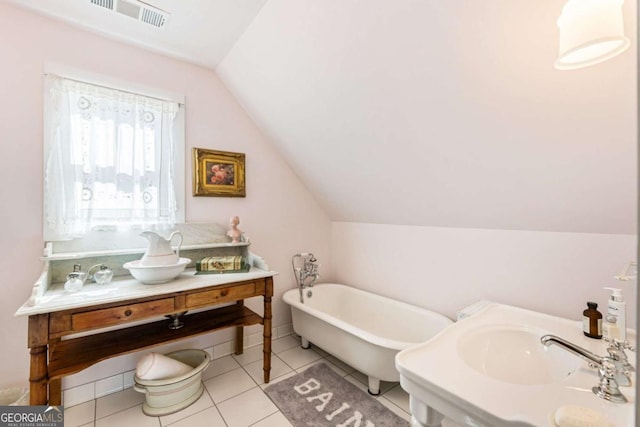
[
  {"x": 73, "y": 283},
  {"x": 103, "y": 276},
  {"x": 592, "y": 321}
]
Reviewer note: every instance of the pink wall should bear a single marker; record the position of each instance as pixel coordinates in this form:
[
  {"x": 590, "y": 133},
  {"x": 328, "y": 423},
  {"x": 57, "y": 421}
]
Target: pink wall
[
  {"x": 279, "y": 214},
  {"x": 446, "y": 269}
]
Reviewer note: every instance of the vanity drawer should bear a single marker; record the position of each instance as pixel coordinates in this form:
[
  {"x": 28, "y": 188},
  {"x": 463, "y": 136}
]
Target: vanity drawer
[
  {"x": 222, "y": 295},
  {"x": 116, "y": 315}
]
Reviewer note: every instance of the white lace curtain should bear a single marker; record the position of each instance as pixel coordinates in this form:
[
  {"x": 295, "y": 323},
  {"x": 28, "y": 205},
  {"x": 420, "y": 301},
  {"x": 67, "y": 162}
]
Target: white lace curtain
[{"x": 108, "y": 159}]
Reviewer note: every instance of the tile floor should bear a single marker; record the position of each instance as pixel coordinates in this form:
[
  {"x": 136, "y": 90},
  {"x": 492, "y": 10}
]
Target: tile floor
[{"x": 232, "y": 384}]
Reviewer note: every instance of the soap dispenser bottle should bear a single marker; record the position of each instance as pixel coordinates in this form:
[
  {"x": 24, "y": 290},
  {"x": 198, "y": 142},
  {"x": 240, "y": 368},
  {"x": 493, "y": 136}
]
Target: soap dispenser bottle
[
  {"x": 615, "y": 325},
  {"x": 592, "y": 321}
]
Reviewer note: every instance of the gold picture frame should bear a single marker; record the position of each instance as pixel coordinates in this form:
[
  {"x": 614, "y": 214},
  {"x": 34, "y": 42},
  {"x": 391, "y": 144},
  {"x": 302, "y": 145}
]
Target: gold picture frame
[{"x": 218, "y": 173}]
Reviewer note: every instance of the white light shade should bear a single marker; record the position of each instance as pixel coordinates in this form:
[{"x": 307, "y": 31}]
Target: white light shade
[{"x": 591, "y": 31}]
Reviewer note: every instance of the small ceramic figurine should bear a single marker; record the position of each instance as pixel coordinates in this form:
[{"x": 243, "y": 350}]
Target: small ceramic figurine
[{"x": 235, "y": 233}]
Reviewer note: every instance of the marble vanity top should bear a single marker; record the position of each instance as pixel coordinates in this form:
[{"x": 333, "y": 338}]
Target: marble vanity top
[{"x": 125, "y": 287}]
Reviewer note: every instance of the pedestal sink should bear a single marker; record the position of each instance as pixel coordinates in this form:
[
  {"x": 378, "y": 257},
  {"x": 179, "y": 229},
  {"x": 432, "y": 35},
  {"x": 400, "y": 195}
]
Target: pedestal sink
[
  {"x": 513, "y": 354},
  {"x": 490, "y": 370}
]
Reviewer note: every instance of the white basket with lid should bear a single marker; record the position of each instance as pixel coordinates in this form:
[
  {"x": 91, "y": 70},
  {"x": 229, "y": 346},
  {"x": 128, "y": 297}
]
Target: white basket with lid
[{"x": 166, "y": 396}]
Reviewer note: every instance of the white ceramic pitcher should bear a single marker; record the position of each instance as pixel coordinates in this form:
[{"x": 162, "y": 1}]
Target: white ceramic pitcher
[{"x": 159, "y": 251}]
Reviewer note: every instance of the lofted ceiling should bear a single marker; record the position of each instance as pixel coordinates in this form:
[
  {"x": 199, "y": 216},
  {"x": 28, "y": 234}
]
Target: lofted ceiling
[{"x": 418, "y": 112}]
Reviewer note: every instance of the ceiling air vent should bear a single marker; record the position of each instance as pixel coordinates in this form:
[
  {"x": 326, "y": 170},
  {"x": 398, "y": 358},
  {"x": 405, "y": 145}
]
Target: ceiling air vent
[
  {"x": 137, "y": 10},
  {"x": 154, "y": 17},
  {"x": 103, "y": 3}
]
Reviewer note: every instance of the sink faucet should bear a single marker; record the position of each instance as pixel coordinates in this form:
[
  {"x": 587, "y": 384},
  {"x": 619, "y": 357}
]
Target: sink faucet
[
  {"x": 306, "y": 274},
  {"x": 616, "y": 350},
  {"x": 608, "y": 368}
]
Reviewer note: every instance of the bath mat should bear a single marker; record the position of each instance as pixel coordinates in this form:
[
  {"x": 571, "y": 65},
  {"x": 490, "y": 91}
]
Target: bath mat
[{"x": 320, "y": 397}]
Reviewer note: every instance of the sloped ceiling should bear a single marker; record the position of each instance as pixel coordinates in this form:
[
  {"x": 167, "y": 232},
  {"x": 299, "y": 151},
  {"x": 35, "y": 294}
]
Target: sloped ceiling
[
  {"x": 443, "y": 113},
  {"x": 417, "y": 112}
]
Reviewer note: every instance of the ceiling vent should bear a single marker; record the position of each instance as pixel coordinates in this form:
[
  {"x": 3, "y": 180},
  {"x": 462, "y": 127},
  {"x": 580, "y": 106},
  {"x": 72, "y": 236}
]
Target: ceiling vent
[{"x": 136, "y": 10}]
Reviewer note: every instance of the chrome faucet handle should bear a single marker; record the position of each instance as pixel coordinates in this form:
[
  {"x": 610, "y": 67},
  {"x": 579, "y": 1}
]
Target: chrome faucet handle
[
  {"x": 616, "y": 351},
  {"x": 608, "y": 387},
  {"x": 620, "y": 362},
  {"x": 621, "y": 344}
]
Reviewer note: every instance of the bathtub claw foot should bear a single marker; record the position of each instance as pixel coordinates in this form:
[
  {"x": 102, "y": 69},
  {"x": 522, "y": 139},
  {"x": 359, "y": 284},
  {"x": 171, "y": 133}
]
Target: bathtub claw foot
[
  {"x": 374, "y": 386},
  {"x": 305, "y": 343}
]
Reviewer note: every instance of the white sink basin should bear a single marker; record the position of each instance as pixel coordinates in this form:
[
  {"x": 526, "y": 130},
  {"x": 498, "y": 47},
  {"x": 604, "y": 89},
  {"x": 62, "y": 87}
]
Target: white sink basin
[
  {"x": 514, "y": 354},
  {"x": 491, "y": 370}
]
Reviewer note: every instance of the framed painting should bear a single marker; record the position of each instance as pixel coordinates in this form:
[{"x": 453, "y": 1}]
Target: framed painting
[{"x": 218, "y": 173}]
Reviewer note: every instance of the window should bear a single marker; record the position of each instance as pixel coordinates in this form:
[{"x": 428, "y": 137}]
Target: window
[{"x": 110, "y": 159}]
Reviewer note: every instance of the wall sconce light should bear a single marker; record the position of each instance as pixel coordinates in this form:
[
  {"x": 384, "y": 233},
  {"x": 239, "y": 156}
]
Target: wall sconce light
[{"x": 591, "y": 31}]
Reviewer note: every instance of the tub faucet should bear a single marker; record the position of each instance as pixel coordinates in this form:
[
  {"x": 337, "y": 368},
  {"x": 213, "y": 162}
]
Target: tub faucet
[
  {"x": 608, "y": 371},
  {"x": 305, "y": 269}
]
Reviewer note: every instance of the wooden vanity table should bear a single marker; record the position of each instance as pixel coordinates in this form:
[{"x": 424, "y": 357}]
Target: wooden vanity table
[{"x": 56, "y": 318}]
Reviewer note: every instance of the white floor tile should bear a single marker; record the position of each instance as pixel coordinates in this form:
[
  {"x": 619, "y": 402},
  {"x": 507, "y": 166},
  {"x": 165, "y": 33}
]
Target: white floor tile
[
  {"x": 278, "y": 369},
  {"x": 208, "y": 418},
  {"x": 320, "y": 351},
  {"x": 364, "y": 379},
  {"x": 353, "y": 380},
  {"x": 249, "y": 355},
  {"x": 230, "y": 390},
  {"x": 277, "y": 380},
  {"x": 223, "y": 349},
  {"x": 399, "y": 397},
  {"x": 275, "y": 420},
  {"x": 128, "y": 379},
  {"x": 247, "y": 408},
  {"x": 80, "y": 414},
  {"x": 220, "y": 366},
  {"x": 199, "y": 405},
  {"x": 284, "y": 343},
  {"x": 333, "y": 367},
  {"x": 393, "y": 408},
  {"x": 340, "y": 364},
  {"x": 109, "y": 385},
  {"x": 285, "y": 330},
  {"x": 77, "y": 395},
  {"x": 132, "y": 417},
  {"x": 448, "y": 423},
  {"x": 116, "y": 402},
  {"x": 298, "y": 357},
  {"x": 227, "y": 385}
]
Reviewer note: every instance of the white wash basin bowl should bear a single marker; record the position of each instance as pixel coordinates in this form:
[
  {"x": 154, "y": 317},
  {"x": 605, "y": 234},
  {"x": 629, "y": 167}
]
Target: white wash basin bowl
[
  {"x": 490, "y": 370},
  {"x": 513, "y": 354}
]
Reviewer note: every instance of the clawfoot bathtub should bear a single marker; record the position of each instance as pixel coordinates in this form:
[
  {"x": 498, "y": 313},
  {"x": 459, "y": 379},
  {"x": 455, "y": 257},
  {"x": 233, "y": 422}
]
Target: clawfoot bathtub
[{"x": 360, "y": 328}]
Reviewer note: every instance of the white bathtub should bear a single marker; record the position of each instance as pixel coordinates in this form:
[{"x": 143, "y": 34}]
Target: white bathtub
[{"x": 362, "y": 329}]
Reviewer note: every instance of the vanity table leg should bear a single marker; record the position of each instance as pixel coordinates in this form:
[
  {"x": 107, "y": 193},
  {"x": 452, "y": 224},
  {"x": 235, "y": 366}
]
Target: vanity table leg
[
  {"x": 38, "y": 336},
  {"x": 239, "y": 333},
  {"x": 266, "y": 344},
  {"x": 55, "y": 392},
  {"x": 38, "y": 376}
]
